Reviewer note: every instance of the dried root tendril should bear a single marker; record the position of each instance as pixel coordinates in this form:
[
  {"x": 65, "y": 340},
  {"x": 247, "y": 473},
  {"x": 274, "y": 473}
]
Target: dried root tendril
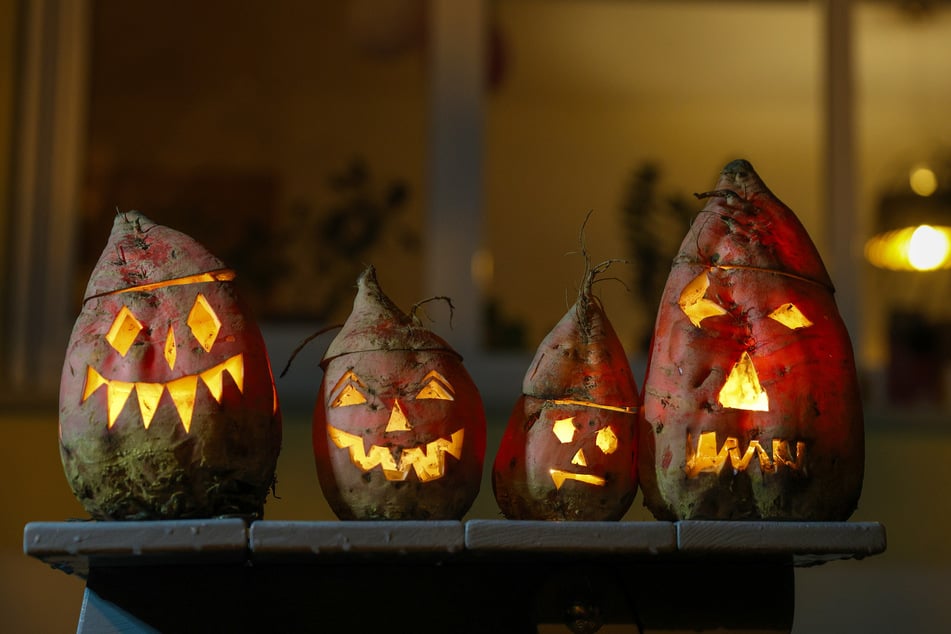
[
  {"x": 304, "y": 343},
  {"x": 591, "y": 273},
  {"x": 418, "y": 305}
]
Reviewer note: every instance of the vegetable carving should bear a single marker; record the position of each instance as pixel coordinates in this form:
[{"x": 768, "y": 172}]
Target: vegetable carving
[
  {"x": 751, "y": 400},
  {"x": 167, "y": 401},
  {"x": 399, "y": 427},
  {"x": 568, "y": 452}
]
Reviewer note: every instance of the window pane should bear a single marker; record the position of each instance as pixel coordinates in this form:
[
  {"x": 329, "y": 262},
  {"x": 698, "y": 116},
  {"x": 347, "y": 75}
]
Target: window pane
[
  {"x": 903, "y": 62},
  {"x": 590, "y": 94},
  {"x": 287, "y": 137}
]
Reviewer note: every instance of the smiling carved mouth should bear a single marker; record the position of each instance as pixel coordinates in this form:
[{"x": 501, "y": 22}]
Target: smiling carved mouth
[
  {"x": 182, "y": 390},
  {"x": 428, "y": 461}
]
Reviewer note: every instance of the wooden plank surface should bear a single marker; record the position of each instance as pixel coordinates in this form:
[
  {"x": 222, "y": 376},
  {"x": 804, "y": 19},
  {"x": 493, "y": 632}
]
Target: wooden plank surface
[
  {"x": 567, "y": 537},
  {"x": 311, "y": 538},
  {"x": 71, "y": 545},
  {"x": 808, "y": 542}
]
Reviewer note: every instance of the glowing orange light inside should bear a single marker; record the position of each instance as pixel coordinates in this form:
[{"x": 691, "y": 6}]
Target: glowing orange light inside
[
  {"x": 695, "y": 305},
  {"x": 213, "y": 377},
  {"x": 559, "y": 477},
  {"x": 349, "y": 395},
  {"x": 204, "y": 323},
  {"x": 181, "y": 390},
  {"x": 790, "y": 316},
  {"x": 94, "y": 381},
  {"x": 742, "y": 389},
  {"x": 149, "y": 395},
  {"x": 427, "y": 461},
  {"x": 397, "y": 420},
  {"x": 706, "y": 459},
  {"x": 564, "y": 429},
  {"x": 579, "y": 459},
  {"x": 611, "y": 408},
  {"x": 220, "y": 275},
  {"x": 436, "y": 387},
  {"x": 125, "y": 328},
  {"x": 606, "y": 440},
  {"x": 171, "y": 350}
]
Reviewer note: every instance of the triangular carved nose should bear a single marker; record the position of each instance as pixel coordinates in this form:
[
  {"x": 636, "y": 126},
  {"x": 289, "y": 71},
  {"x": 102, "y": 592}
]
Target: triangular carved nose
[
  {"x": 398, "y": 420},
  {"x": 579, "y": 459}
]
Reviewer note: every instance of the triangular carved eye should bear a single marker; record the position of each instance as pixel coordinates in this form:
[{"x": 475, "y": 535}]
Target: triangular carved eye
[
  {"x": 204, "y": 323},
  {"x": 348, "y": 391},
  {"x": 694, "y": 303},
  {"x": 435, "y": 386},
  {"x": 790, "y": 316},
  {"x": 125, "y": 328},
  {"x": 349, "y": 395}
]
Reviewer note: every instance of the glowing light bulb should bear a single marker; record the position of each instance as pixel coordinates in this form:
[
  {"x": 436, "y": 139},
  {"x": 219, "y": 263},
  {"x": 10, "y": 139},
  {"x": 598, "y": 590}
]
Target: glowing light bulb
[
  {"x": 928, "y": 248},
  {"x": 923, "y": 181}
]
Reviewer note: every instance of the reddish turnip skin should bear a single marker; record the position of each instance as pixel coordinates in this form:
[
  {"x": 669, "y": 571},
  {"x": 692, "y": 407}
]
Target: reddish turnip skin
[
  {"x": 581, "y": 372},
  {"x": 383, "y": 365},
  {"x": 224, "y": 462},
  {"x": 756, "y": 257}
]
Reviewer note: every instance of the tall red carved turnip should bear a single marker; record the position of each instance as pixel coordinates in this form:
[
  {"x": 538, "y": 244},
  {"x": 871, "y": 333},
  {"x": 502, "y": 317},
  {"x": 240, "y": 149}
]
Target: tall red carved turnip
[{"x": 751, "y": 400}]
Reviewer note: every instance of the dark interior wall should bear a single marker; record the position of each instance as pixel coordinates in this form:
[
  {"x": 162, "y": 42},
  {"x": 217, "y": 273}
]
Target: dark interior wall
[
  {"x": 8, "y": 75},
  {"x": 287, "y": 137}
]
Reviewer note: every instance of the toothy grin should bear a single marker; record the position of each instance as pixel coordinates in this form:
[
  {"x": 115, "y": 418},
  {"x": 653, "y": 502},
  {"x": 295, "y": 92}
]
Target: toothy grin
[
  {"x": 182, "y": 391},
  {"x": 428, "y": 461}
]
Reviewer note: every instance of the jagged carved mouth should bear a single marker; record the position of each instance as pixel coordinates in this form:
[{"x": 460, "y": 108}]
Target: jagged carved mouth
[
  {"x": 427, "y": 460},
  {"x": 181, "y": 390}
]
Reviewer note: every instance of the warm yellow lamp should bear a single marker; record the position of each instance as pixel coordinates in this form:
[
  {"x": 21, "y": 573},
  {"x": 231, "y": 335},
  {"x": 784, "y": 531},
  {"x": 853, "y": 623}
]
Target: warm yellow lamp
[{"x": 915, "y": 226}]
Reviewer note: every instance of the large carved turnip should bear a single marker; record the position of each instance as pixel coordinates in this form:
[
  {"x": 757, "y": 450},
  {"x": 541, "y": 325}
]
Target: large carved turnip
[
  {"x": 167, "y": 401},
  {"x": 751, "y": 400}
]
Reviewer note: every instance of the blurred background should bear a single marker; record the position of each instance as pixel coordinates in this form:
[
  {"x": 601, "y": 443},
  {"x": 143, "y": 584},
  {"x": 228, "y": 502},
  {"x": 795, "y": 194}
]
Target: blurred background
[{"x": 458, "y": 147}]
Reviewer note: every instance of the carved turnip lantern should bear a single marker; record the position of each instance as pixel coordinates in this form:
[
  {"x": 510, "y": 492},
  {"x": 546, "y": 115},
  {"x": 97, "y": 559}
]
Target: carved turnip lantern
[
  {"x": 569, "y": 449},
  {"x": 399, "y": 426},
  {"x": 751, "y": 401},
  {"x": 167, "y": 401}
]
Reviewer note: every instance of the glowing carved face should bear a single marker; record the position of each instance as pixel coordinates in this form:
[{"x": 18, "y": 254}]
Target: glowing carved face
[
  {"x": 408, "y": 409},
  {"x": 605, "y": 441},
  {"x": 742, "y": 388},
  {"x": 588, "y": 439},
  {"x": 158, "y": 351}
]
